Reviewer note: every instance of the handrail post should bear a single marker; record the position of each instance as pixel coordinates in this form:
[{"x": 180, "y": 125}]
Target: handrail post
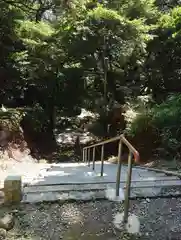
[
  {"x": 127, "y": 190},
  {"x": 85, "y": 157},
  {"x": 83, "y": 154},
  {"x": 132, "y": 152},
  {"x": 93, "y": 158},
  {"x": 102, "y": 160},
  {"x": 119, "y": 168},
  {"x": 89, "y": 157}
]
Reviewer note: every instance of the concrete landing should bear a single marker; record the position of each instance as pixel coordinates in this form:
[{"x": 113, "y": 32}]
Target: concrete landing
[{"x": 80, "y": 173}]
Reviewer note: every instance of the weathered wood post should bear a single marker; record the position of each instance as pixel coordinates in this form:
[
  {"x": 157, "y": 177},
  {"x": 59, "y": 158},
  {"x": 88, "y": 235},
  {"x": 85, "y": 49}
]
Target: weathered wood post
[
  {"x": 93, "y": 158},
  {"x": 83, "y": 154},
  {"x": 102, "y": 160},
  {"x": 127, "y": 190},
  {"x": 119, "y": 168},
  {"x": 85, "y": 157},
  {"x": 89, "y": 152}
]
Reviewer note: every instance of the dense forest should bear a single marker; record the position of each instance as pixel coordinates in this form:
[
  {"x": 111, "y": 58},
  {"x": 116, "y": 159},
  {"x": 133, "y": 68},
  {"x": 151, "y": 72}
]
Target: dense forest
[{"x": 57, "y": 57}]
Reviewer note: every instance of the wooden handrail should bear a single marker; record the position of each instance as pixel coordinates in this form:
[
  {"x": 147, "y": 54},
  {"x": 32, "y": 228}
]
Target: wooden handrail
[
  {"x": 131, "y": 148},
  {"x": 104, "y": 142},
  {"x": 132, "y": 152},
  {"x": 123, "y": 139}
]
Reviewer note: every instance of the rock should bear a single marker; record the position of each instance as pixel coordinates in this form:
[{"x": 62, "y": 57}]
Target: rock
[
  {"x": 12, "y": 189},
  {"x": 2, "y": 234},
  {"x": 15, "y": 211},
  {"x": 7, "y": 222}
]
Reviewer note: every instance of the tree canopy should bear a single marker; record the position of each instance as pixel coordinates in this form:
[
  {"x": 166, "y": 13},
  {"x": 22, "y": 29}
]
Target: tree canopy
[{"x": 64, "y": 55}]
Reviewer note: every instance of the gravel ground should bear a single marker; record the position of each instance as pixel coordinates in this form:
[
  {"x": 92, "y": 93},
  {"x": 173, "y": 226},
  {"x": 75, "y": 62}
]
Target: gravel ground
[{"x": 159, "y": 218}]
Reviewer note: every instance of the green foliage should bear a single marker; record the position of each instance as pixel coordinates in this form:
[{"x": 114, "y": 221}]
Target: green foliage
[
  {"x": 168, "y": 113},
  {"x": 142, "y": 123},
  {"x": 36, "y": 119},
  {"x": 10, "y": 122},
  {"x": 167, "y": 118},
  {"x": 172, "y": 22},
  {"x": 105, "y": 42},
  {"x": 60, "y": 56},
  {"x": 136, "y": 9},
  {"x": 9, "y": 45},
  {"x": 162, "y": 67},
  {"x": 164, "y": 121},
  {"x": 32, "y": 31},
  {"x": 101, "y": 13}
]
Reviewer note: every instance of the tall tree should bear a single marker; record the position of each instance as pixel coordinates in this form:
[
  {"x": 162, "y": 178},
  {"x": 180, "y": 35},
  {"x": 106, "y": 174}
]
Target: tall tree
[
  {"x": 163, "y": 66},
  {"x": 10, "y": 44}
]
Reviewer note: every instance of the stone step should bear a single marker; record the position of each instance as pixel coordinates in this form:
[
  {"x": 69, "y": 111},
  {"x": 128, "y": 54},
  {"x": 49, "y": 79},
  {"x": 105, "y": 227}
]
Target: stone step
[
  {"x": 158, "y": 182},
  {"x": 88, "y": 177},
  {"x": 89, "y": 195}
]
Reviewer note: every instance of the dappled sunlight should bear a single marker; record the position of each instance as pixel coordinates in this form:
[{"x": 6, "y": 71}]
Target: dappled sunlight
[
  {"x": 72, "y": 215},
  {"x": 57, "y": 173},
  {"x": 44, "y": 215},
  {"x": 68, "y": 165},
  {"x": 90, "y": 174},
  {"x": 73, "y": 221},
  {"x": 66, "y": 138},
  {"x": 130, "y": 115},
  {"x": 69, "y": 137},
  {"x": 118, "y": 220},
  {"x": 151, "y": 179},
  {"x": 86, "y": 113},
  {"x": 74, "y": 173},
  {"x": 99, "y": 175},
  {"x": 132, "y": 226},
  {"x": 110, "y": 194}
]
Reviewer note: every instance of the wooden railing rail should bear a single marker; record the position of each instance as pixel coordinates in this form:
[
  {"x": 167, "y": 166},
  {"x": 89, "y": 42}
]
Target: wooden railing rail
[{"x": 132, "y": 153}]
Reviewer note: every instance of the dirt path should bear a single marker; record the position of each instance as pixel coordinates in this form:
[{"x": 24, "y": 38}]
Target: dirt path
[{"x": 159, "y": 218}]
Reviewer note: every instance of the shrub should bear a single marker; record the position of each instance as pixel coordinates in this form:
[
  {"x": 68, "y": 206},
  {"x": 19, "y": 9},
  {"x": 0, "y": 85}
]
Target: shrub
[
  {"x": 167, "y": 119},
  {"x": 35, "y": 119},
  {"x": 141, "y": 123},
  {"x": 160, "y": 123},
  {"x": 10, "y": 125}
]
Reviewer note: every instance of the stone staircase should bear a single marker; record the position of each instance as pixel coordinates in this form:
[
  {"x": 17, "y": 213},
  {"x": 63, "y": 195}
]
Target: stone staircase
[{"x": 77, "y": 181}]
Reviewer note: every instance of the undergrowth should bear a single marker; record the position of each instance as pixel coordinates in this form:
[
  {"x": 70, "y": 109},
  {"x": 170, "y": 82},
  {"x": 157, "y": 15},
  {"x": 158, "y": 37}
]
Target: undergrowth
[{"x": 160, "y": 123}]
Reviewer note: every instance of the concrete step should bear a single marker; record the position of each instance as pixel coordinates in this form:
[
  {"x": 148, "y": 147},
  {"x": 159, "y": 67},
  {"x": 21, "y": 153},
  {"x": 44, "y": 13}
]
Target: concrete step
[
  {"x": 148, "y": 188},
  {"x": 88, "y": 195},
  {"x": 157, "y": 182},
  {"x": 60, "y": 177}
]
